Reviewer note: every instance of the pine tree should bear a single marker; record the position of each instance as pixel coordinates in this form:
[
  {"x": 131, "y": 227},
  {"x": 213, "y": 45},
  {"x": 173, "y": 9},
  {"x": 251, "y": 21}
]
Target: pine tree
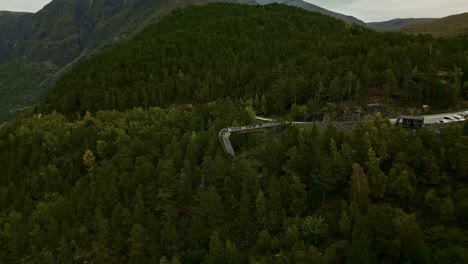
[
  {"x": 297, "y": 197},
  {"x": 261, "y": 210},
  {"x": 315, "y": 229},
  {"x": 88, "y": 160},
  {"x": 359, "y": 190},
  {"x": 344, "y": 224},
  {"x": 137, "y": 249},
  {"x": 377, "y": 179},
  {"x": 264, "y": 243},
  {"x": 216, "y": 254}
]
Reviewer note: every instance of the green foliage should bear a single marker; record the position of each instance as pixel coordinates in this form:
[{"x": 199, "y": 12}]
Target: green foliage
[
  {"x": 376, "y": 177},
  {"x": 201, "y": 53},
  {"x": 314, "y": 229},
  {"x": 361, "y": 250},
  {"x": 359, "y": 188},
  {"x": 264, "y": 242},
  {"x": 36, "y": 48},
  {"x": 465, "y": 128},
  {"x": 345, "y": 224},
  {"x": 21, "y": 86},
  {"x": 153, "y": 184},
  {"x": 216, "y": 253},
  {"x": 297, "y": 197}
]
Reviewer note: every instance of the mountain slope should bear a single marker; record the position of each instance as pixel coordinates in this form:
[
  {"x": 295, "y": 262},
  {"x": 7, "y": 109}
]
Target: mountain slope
[
  {"x": 12, "y": 28},
  {"x": 314, "y": 8},
  {"x": 398, "y": 23},
  {"x": 274, "y": 54},
  {"x": 64, "y": 29},
  {"x": 444, "y": 27},
  {"x": 35, "y": 47},
  {"x": 7, "y": 16}
]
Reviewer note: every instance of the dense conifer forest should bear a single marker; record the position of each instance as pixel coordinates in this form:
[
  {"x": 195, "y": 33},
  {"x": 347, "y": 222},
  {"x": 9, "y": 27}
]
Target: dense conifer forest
[
  {"x": 122, "y": 162},
  {"x": 274, "y": 54}
]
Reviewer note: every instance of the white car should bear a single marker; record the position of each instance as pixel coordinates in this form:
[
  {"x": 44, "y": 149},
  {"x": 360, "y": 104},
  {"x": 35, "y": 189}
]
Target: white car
[
  {"x": 458, "y": 118},
  {"x": 443, "y": 121},
  {"x": 449, "y": 119}
]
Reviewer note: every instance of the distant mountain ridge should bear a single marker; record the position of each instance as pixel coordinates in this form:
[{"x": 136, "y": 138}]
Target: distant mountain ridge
[
  {"x": 315, "y": 8},
  {"x": 12, "y": 14},
  {"x": 444, "y": 27},
  {"x": 398, "y": 23}
]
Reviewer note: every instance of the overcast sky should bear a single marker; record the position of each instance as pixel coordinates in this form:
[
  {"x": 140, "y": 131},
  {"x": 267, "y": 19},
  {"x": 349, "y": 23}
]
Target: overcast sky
[
  {"x": 381, "y": 10},
  {"x": 367, "y": 10},
  {"x": 23, "y": 5}
]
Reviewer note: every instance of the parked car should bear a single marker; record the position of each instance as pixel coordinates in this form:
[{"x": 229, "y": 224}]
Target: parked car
[
  {"x": 458, "y": 118},
  {"x": 443, "y": 121}
]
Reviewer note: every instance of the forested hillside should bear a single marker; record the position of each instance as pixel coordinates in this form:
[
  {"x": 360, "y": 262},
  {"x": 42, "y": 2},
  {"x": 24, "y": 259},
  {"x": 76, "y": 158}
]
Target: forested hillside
[
  {"x": 275, "y": 54},
  {"x": 154, "y": 185},
  {"x": 34, "y": 48},
  {"x": 122, "y": 163},
  {"x": 445, "y": 27}
]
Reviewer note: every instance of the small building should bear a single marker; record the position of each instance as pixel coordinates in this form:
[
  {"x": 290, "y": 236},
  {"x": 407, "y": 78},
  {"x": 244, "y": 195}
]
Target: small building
[{"x": 410, "y": 121}]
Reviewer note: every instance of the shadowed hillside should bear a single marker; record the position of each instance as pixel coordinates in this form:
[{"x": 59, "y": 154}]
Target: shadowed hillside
[{"x": 34, "y": 48}]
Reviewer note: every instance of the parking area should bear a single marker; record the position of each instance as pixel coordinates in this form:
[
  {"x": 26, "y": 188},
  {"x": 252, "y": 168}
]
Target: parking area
[{"x": 458, "y": 116}]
